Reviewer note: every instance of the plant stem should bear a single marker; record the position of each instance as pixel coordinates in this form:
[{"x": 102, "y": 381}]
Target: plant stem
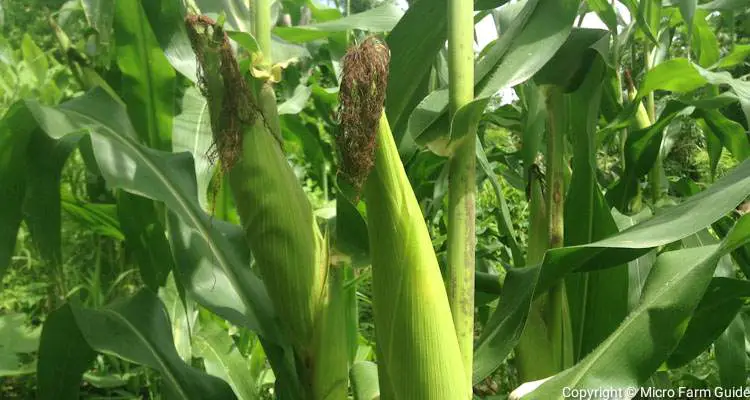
[
  {"x": 262, "y": 27},
  {"x": 559, "y": 314},
  {"x": 462, "y": 182}
]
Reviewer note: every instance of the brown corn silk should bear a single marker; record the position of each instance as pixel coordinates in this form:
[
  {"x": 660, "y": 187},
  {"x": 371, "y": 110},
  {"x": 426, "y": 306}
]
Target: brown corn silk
[{"x": 363, "y": 83}]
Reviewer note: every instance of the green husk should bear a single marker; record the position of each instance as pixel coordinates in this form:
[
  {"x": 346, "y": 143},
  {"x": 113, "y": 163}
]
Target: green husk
[
  {"x": 287, "y": 246},
  {"x": 418, "y": 353}
]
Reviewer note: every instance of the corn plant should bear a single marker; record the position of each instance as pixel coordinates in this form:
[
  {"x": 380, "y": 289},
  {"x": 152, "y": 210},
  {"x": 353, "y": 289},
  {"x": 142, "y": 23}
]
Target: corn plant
[{"x": 275, "y": 171}]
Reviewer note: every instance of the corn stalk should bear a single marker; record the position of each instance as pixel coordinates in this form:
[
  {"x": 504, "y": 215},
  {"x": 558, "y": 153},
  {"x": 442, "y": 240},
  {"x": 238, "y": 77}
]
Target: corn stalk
[{"x": 462, "y": 179}]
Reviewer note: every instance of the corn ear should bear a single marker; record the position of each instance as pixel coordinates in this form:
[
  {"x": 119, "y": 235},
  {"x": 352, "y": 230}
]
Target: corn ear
[
  {"x": 277, "y": 218},
  {"x": 414, "y": 328}
]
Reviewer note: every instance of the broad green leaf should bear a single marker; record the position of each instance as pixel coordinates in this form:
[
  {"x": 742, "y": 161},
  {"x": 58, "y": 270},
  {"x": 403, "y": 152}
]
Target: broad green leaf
[
  {"x": 724, "y": 5},
  {"x": 148, "y": 88},
  {"x": 222, "y": 359},
  {"x": 144, "y": 237},
  {"x": 687, "y": 9},
  {"x": 639, "y": 268},
  {"x": 148, "y": 80},
  {"x": 672, "y": 291},
  {"x": 191, "y": 132},
  {"x": 731, "y": 134},
  {"x": 236, "y": 13},
  {"x": 283, "y": 52},
  {"x": 296, "y": 103},
  {"x": 350, "y": 236},
  {"x": 517, "y": 56},
  {"x": 35, "y": 59},
  {"x": 364, "y": 376},
  {"x": 704, "y": 41},
  {"x": 694, "y": 214},
  {"x": 42, "y": 209},
  {"x": 502, "y": 214},
  {"x": 64, "y": 355},
  {"x": 736, "y": 56},
  {"x": 182, "y": 315},
  {"x": 244, "y": 39},
  {"x": 606, "y": 13},
  {"x": 16, "y": 338},
  {"x": 731, "y": 356},
  {"x": 16, "y": 129},
  {"x": 137, "y": 329},
  {"x": 599, "y": 299},
  {"x": 166, "y": 19},
  {"x": 742, "y": 255},
  {"x": 681, "y": 76},
  {"x": 568, "y": 67},
  {"x": 641, "y": 150},
  {"x": 100, "y": 16},
  {"x": 713, "y": 315},
  {"x": 165, "y": 177},
  {"x": 379, "y": 19},
  {"x": 414, "y": 42},
  {"x": 95, "y": 217}
]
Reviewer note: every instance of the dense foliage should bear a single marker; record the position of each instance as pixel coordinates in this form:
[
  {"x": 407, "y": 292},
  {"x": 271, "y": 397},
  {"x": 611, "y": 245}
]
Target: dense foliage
[{"x": 179, "y": 216}]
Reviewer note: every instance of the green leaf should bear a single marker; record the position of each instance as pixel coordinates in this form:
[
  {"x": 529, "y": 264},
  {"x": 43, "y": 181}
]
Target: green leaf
[
  {"x": 95, "y": 217},
  {"x": 704, "y": 41},
  {"x": 511, "y": 61},
  {"x": 736, "y": 56},
  {"x": 222, "y": 359},
  {"x": 182, "y": 315},
  {"x": 138, "y": 330},
  {"x": 244, "y": 39},
  {"x": 167, "y": 22},
  {"x": 100, "y": 16},
  {"x": 731, "y": 356},
  {"x": 606, "y": 13},
  {"x": 672, "y": 291},
  {"x": 236, "y": 12},
  {"x": 724, "y": 5},
  {"x": 35, "y": 59},
  {"x": 16, "y": 129},
  {"x": 42, "y": 209},
  {"x": 599, "y": 299},
  {"x": 169, "y": 178},
  {"x": 568, "y": 67},
  {"x": 364, "y": 376},
  {"x": 694, "y": 214},
  {"x": 191, "y": 132},
  {"x": 379, "y": 19},
  {"x": 296, "y": 103},
  {"x": 16, "y": 338},
  {"x": 731, "y": 134},
  {"x": 64, "y": 355},
  {"x": 144, "y": 237},
  {"x": 713, "y": 315},
  {"x": 148, "y": 80},
  {"x": 681, "y": 76},
  {"x": 502, "y": 214},
  {"x": 687, "y": 9},
  {"x": 414, "y": 42},
  {"x": 641, "y": 150}
]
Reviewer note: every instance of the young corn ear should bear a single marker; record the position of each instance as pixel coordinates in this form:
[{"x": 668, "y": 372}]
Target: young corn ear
[
  {"x": 288, "y": 248},
  {"x": 417, "y": 346}
]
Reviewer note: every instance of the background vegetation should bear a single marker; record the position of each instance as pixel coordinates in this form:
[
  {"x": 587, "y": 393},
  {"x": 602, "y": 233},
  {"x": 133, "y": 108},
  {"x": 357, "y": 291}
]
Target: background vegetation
[{"x": 92, "y": 244}]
